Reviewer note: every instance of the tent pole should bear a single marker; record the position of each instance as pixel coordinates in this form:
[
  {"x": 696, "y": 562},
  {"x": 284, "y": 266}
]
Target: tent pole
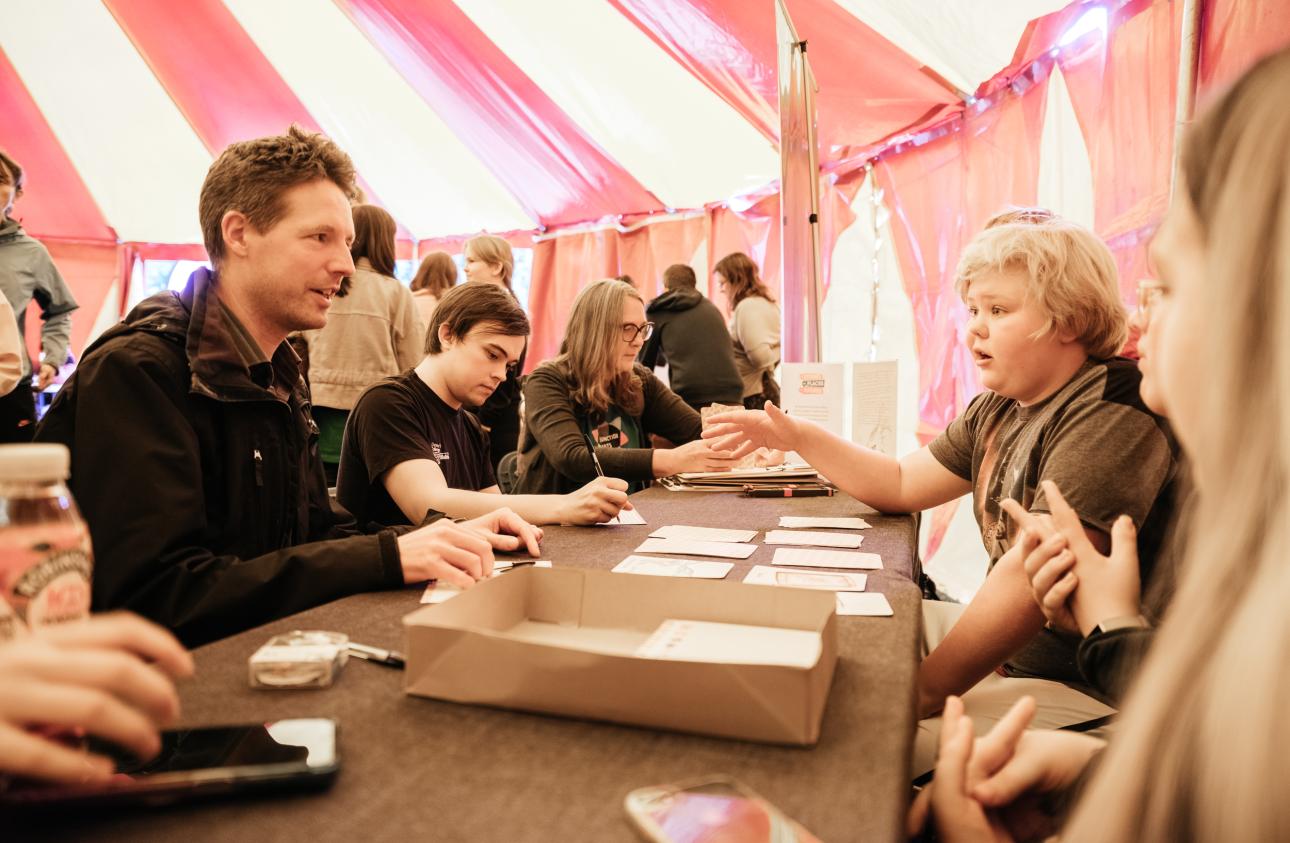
[{"x": 1188, "y": 64}]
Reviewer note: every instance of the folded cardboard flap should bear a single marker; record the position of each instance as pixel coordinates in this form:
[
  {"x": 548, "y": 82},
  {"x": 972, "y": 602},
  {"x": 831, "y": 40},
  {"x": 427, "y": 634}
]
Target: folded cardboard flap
[{"x": 563, "y": 641}]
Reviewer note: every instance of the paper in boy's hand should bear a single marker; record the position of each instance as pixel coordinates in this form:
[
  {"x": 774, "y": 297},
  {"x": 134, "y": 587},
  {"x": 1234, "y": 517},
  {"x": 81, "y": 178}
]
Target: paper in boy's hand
[
  {"x": 871, "y": 603},
  {"x": 728, "y": 550},
  {"x": 705, "y": 534},
  {"x": 792, "y": 578},
  {"x": 661, "y": 566},
  {"x": 822, "y": 522},
  {"x": 807, "y": 537}
]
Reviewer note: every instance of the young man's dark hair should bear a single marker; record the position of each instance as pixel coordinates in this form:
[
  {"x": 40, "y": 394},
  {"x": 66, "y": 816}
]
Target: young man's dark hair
[
  {"x": 251, "y": 176},
  {"x": 690, "y": 336},
  {"x": 679, "y": 275},
  {"x": 466, "y": 305}
]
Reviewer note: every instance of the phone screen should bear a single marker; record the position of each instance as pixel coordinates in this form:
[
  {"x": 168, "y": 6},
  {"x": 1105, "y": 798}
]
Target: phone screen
[
  {"x": 220, "y": 759},
  {"x": 720, "y": 813}
]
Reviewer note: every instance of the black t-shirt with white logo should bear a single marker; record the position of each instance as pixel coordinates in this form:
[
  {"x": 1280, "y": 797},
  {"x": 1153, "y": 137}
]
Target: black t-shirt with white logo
[{"x": 401, "y": 419}]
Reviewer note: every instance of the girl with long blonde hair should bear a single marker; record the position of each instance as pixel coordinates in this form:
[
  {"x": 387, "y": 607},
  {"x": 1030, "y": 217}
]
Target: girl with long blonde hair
[
  {"x": 1200, "y": 750},
  {"x": 754, "y": 328},
  {"x": 595, "y": 395}
]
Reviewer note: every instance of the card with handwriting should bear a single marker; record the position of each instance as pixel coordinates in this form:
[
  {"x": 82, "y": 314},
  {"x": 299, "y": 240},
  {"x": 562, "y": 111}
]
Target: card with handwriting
[
  {"x": 683, "y": 547},
  {"x": 808, "y": 521},
  {"x": 807, "y": 537},
  {"x": 808, "y": 557},
  {"x": 704, "y": 534},
  {"x": 870, "y": 603},
  {"x": 794, "y": 578},
  {"x": 661, "y": 566}
]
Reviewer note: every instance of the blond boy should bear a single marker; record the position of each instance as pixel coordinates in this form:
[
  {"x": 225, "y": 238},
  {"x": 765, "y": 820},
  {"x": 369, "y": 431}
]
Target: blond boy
[{"x": 1045, "y": 321}]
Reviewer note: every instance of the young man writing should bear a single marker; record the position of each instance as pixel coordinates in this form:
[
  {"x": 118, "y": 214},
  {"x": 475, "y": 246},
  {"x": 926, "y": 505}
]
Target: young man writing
[
  {"x": 1045, "y": 323},
  {"x": 410, "y": 446},
  {"x": 194, "y": 457}
]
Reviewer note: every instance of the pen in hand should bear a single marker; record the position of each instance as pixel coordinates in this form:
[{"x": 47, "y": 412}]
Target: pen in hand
[{"x": 595, "y": 460}]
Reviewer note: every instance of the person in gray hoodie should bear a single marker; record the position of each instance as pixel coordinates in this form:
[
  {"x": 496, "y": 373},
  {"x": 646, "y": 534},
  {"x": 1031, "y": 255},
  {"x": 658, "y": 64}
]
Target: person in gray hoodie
[
  {"x": 690, "y": 335},
  {"x": 26, "y": 273}
]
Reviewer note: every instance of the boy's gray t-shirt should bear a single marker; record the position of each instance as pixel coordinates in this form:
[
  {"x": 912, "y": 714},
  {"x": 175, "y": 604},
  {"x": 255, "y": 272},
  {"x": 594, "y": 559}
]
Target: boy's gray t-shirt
[{"x": 1097, "y": 441}]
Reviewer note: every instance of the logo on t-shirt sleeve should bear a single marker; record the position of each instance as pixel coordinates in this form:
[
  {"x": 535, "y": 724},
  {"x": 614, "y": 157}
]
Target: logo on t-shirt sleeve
[{"x": 439, "y": 454}]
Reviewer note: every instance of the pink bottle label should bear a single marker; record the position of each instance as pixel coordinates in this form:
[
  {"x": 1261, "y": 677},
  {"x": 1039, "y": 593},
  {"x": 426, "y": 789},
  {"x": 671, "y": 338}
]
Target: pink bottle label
[{"x": 44, "y": 576}]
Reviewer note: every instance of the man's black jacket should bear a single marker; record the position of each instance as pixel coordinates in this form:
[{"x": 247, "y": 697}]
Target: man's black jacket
[{"x": 195, "y": 463}]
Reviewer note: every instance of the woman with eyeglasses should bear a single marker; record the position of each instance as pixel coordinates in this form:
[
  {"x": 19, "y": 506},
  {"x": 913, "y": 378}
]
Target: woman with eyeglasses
[{"x": 594, "y": 395}]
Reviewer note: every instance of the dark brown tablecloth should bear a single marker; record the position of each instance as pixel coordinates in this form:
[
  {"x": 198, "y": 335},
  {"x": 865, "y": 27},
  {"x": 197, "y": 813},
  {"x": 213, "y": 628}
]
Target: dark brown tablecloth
[{"x": 422, "y": 769}]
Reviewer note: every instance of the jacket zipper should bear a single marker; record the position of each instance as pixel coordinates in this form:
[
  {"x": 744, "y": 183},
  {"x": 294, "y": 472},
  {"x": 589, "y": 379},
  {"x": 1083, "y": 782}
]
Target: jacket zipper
[{"x": 259, "y": 468}]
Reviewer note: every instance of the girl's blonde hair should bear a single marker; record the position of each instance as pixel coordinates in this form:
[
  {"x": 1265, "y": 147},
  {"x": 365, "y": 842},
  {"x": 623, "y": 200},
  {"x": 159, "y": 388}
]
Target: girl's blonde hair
[
  {"x": 1070, "y": 271},
  {"x": 591, "y": 347},
  {"x": 491, "y": 249},
  {"x": 1201, "y": 751}
]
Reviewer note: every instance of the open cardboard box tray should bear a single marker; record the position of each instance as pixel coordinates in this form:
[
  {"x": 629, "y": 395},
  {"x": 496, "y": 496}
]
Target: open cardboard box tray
[{"x": 564, "y": 641}]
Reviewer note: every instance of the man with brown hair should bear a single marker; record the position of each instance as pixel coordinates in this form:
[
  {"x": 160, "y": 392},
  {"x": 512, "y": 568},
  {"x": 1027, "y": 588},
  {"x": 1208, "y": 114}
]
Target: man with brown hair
[
  {"x": 194, "y": 457},
  {"x": 411, "y": 446},
  {"x": 690, "y": 336}
]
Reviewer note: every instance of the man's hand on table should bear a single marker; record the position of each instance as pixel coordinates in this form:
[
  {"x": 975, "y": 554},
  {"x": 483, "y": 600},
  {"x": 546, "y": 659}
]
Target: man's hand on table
[{"x": 462, "y": 553}]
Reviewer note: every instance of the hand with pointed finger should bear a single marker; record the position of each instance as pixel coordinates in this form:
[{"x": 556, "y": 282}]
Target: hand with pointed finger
[
  {"x": 446, "y": 551},
  {"x": 1098, "y": 587},
  {"x": 1049, "y": 565},
  {"x": 506, "y": 531},
  {"x": 595, "y": 503},
  {"x": 109, "y": 676},
  {"x": 743, "y": 431}
]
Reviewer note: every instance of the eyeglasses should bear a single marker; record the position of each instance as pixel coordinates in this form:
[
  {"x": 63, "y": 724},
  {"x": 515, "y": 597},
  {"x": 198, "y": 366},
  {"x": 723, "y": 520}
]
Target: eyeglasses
[
  {"x": 645, "y": 329},
  {"x": 1150, "y": 293}
]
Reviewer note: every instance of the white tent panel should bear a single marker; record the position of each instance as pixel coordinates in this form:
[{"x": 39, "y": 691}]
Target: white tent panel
[
  {"x": 1065, "y": 171},
  {"x": 424, "y": 175},
  {"x": 631, "y": 98},
  {"x": 137, "y": 155},
  {"x": 960, "y": 39}
]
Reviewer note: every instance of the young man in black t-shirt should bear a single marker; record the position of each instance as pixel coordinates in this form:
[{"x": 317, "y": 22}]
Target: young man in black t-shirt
[{"x": 410, "y": 445}]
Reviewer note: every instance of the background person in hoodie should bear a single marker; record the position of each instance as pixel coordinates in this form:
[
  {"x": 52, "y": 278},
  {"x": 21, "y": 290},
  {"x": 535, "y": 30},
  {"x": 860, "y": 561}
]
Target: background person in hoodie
[
  {"x": 27, "y": 273},
  {"x": 690, "y": 336},
  {"x": 372, "y": 332}
]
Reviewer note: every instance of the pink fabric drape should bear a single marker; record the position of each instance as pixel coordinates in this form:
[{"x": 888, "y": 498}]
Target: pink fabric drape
[
  {"x": 1123, "y": 91},
  {"x": 1237, "y": 33},
  {"x": 869, "y": 88}
]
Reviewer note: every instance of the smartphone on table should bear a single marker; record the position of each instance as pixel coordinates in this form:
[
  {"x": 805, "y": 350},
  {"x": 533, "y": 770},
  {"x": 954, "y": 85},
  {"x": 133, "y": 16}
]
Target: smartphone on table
[
  {"x": 195, "y": 763},
  {"x": 712, "y": 810}
]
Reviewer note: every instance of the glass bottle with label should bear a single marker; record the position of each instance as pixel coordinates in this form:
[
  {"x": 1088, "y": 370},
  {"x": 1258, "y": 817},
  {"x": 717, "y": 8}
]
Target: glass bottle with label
[{"x": 45, "y": 556}]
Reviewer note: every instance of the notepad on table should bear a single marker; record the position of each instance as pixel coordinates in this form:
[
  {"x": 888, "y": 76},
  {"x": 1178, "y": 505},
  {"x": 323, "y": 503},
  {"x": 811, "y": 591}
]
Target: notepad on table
[
  {"x": 808, "y": 521},
  {"x": 808, "y": 537},
  {"x": 687, "y": 547},
  {"x": 706, "y": 534}
]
